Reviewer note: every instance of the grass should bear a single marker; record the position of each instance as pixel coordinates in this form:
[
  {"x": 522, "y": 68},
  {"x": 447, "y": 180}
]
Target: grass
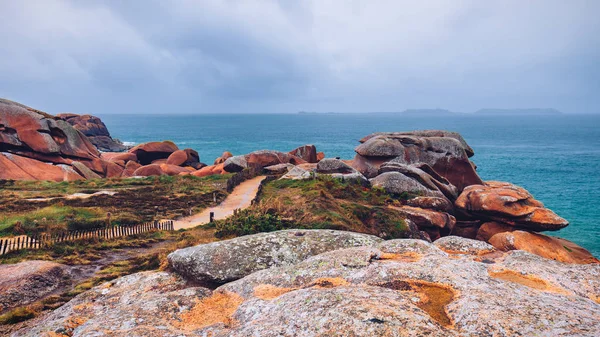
[
  {"x": 323, "y": 203},
  {"x": 136, "y": 201},
  {"x": 84, "y": 252}
]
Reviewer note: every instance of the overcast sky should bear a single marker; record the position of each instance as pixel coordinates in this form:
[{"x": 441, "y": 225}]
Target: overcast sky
[{"x": 285, "y": 56}]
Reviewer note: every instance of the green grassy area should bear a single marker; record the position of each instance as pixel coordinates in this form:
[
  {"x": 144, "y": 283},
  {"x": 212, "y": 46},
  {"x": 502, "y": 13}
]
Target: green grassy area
[
  {"x": 136, "y": 201},
  {"x": 323, "y": 203}
]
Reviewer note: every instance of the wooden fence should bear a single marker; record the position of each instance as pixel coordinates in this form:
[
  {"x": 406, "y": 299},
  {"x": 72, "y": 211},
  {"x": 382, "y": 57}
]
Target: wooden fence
[{"x": 46, "y": 240}]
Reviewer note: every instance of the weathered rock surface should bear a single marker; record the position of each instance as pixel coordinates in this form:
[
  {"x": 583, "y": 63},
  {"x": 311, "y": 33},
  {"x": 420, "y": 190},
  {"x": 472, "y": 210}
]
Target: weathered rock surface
[
  {"x": 209, "y": 170},
  {"x": 149, "y": 170},
  {"x": 489, "y": 229},
  {"x": 95, "y": 130},
  {"x": 226, "y": 155},
  {"x": 459, "y": 245},
  {"x": 308, "y": 153},
  {"x": 425, "y": 133},
  {"x": 15, "y": 167},
  {"x": 35, "y": 139},
  {"x": 297, "y": 173},
  {"x": 235, "y": 164},
  {"x": 543, "y": 245},
  {"x": 393, "y": 288},
  {"x": 149, "y": 152},
  {"x": 427, "y": 218},
  {"x": 435, "y": 203},
  {"x": 146, "y": 304},
  {"x": 26, "y": 282},
  {"x": 279, "y": 168},
  {"x": 509, "y": 204},
  {"x": 445, "y": 154},
  {"x": 229, "y": 260},
  {"x": 339, "y": 169}
]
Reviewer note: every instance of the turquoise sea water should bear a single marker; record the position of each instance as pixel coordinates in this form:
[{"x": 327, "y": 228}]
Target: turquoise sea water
[{"x": 556, "y": 158}]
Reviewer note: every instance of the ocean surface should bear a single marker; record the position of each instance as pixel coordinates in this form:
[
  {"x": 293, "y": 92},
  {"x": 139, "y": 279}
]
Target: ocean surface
[{"x": 556, "y": 158}]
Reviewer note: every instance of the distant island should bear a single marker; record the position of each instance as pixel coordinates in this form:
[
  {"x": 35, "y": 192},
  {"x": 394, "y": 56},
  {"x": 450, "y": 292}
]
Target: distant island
[
  {"x": 534, "y": 111},
  {"x": 445, "y": 112}
]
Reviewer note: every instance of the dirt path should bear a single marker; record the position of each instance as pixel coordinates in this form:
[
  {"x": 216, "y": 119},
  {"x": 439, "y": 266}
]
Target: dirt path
[{"x": 240, "y": 198}]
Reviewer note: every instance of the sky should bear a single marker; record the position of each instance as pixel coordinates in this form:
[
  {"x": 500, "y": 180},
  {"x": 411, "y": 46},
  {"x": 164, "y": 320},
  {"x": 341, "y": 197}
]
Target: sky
[{"x": 204, "y": 56}]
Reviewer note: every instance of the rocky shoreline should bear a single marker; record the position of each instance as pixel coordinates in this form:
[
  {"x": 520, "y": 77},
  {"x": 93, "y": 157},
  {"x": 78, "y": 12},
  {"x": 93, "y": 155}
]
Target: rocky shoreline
[{"x": 477, "y": 263}]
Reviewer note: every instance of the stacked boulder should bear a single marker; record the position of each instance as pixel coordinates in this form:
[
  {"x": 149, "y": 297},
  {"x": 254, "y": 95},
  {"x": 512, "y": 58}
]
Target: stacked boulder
[
  {"x": 37, "y": 146},
  {"x": 95, "y": 130},
  {"x": 443, "y": 194},
  {"x": 155, "y": 159}
]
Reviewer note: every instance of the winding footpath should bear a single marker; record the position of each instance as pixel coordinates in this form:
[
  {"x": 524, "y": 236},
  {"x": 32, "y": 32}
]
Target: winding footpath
[{"x": 240, "y": 198}]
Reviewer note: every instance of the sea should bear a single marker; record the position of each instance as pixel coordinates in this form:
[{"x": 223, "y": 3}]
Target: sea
[{"x": 555, "y": 157}]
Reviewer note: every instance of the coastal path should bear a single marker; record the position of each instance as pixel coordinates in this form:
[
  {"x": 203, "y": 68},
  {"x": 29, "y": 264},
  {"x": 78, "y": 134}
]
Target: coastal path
[{"x": 240, "y": 198}]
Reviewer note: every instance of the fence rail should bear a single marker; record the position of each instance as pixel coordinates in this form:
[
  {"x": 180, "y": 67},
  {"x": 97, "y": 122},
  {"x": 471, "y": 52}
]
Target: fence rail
[{"x": 46, "y": 240}]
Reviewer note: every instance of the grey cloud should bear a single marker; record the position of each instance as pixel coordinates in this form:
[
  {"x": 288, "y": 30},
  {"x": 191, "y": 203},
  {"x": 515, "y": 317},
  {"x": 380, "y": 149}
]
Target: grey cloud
[{"x": 278, "y": 56}]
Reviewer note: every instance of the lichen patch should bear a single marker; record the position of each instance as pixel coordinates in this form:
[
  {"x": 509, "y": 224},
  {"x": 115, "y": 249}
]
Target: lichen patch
[
  {"x": 516, "y": 277},
  {"x": 269, "y": 292},
  {"x": 329, "y": 282},
  {"x": 404, "y": 257},
  {"x": 433, "y": 297},
  {"x": 217, "y": 308}
]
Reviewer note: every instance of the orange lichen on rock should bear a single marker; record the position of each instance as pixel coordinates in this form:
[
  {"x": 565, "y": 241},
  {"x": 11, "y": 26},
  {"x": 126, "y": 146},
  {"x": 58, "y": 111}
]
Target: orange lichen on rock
[
  {"x": 530, "y": 281},
  {"x": 218, "y": 308},
  {"x": 329, "y": 282},
  {"x": 595, "y": 298},
  {"x": 434, "y": 297},
  {"x": 269, "y": 292},
  {"x": 403, "y": 257}
]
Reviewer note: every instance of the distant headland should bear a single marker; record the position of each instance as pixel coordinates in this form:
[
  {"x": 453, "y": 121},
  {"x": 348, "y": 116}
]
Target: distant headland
[{"x": 445, "y": 112}]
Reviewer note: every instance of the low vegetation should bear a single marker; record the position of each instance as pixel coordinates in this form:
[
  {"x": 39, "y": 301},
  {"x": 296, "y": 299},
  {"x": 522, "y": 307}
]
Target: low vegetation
[
  {"x": 323, "y": 203},
  {"x": 49, "y": 207}
]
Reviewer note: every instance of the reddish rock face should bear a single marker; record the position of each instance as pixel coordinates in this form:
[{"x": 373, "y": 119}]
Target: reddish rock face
[
  {"x": 130, "y": 168},
  {"x": 489, "y": 229},
  {"x": 177, "y": 158},
  {"x": 15, "y": 167},
  {"x": 509, "y": 204},
  {"x": 149, "y": 170},
  {"x": 226, "y": 155},
  {"x": 173, "y": 170},
  {"x": 308, "y": 153},
  {"x": 209, "y": 170},
  {"x": 447, "y": 155},
  {"x": 545, "y": 246},
  {"x": 96, "y": 131},
  {"x": 117, "y": 156},
  {"x": 32, "y": 134},
  {"x": 152, "y": 151},
  {"x": 112, "y": 170},
  {"x": 266, "y": 158},
  {"x": 320, "y": 156},
  {"x": 425, "y": 218}
]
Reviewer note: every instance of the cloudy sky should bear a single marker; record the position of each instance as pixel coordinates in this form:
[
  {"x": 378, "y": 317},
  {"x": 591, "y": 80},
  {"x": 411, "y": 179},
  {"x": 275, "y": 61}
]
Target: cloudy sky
[{"x": 206, "y": 56}]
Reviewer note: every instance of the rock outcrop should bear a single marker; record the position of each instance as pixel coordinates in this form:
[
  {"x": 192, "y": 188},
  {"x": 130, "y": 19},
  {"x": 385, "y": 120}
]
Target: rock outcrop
[
  {"x": 543, "y": 245},
  {"x": 148, "y": 152},
  {"x": 233, "y": 259},
  {"x": 447, "y": 153},
  {"x": 95, "y": 130},
  {"x": 393, "y": 288},
  {"x": 146, "y": 304},
  {"x": 29, "y": 281},
  {"x": 39, "y": 142},
  {"x": 508, "y": 204},
  {"x": 308, "y": 153},
  {"x": 338, "y": 169}
]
